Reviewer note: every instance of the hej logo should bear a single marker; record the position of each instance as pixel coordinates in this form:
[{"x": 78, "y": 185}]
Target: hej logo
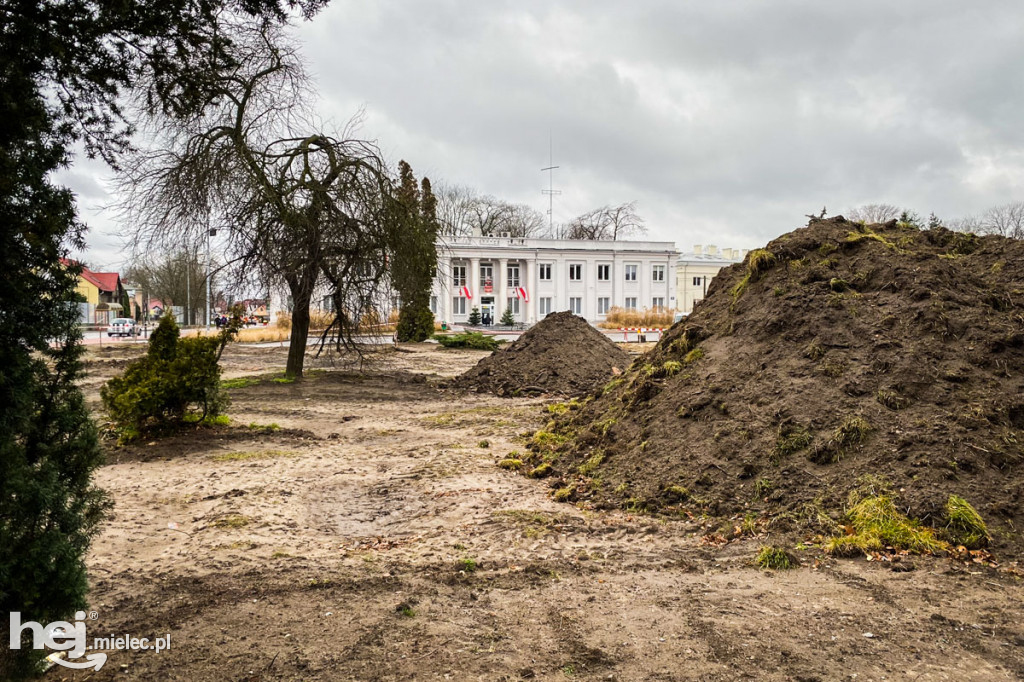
[{"x": 59, "y": 636}]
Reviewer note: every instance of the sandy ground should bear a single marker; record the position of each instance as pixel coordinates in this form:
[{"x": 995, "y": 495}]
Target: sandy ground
[{"x": 372, "y": 537}]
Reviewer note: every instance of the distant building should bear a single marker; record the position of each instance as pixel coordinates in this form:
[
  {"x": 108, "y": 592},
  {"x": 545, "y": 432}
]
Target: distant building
[
  {"x": 696, "y": 269},
  {"x": 534, "y": 277},
  {"x": 103, "y": 294}
]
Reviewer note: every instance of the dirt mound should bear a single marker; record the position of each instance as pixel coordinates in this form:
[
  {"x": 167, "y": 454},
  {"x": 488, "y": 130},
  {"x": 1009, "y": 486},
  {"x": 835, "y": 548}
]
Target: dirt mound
[
  {"x": 841, "y": 357},
  {"x": 561, "y": 354}
]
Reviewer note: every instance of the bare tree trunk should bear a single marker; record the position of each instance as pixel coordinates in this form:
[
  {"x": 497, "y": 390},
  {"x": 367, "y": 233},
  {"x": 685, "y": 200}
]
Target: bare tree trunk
[{"x": 299, "y": 333}]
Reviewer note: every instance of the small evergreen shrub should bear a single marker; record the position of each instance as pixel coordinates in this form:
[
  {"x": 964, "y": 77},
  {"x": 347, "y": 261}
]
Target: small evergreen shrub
[
  {"x": 178, "y": 380},
  {"x": 474, "y": 340}
]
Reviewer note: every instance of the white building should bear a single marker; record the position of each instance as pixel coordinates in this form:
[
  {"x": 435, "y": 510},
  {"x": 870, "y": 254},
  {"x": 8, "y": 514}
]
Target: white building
[
  {"x": 535, "y": 277},
  {"x": 695, "y": 270}
]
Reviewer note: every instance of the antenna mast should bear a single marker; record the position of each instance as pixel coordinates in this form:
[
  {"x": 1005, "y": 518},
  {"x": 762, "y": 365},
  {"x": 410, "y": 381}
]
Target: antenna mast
[{"x": 551, "y": 191}]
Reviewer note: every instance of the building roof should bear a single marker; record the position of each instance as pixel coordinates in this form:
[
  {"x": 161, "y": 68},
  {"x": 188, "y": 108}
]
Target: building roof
[
  {"x": 104, "y": 281},
  {"x": 538, "y": 244}
]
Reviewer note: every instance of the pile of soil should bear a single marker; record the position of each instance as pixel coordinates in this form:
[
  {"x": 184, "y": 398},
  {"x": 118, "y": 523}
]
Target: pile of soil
[
  {"x": 842, "y": 357},
  {"x": 561, "y": 354}
]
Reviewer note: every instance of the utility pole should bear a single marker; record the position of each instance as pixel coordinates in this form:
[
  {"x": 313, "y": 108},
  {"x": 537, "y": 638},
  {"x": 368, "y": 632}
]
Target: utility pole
[
  {"x": 209, "y": 275},
  {"x": 551, "y": 191}
]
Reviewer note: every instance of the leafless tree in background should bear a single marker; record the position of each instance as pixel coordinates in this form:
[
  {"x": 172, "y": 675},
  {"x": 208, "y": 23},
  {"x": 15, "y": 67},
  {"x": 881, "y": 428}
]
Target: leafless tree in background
[
  {"x": 175, "y": 277},
  {"x": 607, "y": 222},
  {"x": 461, "y": 212},
  {"x": 453, "y": 208},
  {"x": 874, "y": 213},
  {"x": 970, "y": 223},
  {"x": 1006, "y": 220}
]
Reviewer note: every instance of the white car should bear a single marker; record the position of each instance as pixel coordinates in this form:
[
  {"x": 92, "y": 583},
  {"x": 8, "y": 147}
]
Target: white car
[{"x": 122, "y": 326}]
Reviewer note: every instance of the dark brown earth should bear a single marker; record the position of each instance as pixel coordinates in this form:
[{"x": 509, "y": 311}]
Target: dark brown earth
[
  {"x": 562, "y": 354},
  {"x": 371, "y": 537},
  {"x": 919, "y": 334}
]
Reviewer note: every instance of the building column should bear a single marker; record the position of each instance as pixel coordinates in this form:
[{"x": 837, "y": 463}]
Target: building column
[
  {"x": 474, "y": 284},
  {"x": 528, "y": 274},
  {"x": 501, "y": 291},
  {"x": 445, "y": 288}
]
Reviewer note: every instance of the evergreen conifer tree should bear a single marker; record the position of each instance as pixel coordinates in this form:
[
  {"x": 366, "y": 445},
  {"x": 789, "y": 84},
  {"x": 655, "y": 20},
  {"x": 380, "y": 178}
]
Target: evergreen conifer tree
[{"x": 415, "y": 261}]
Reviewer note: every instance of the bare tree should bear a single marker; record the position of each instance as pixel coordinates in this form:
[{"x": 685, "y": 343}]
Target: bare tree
[
  {"x": 296, "y": 205},
  {"x": 875, "y": 213},
  {"x": 1006, "y": 220},
  {"x": 969, "y": 223},
  {"x": 490, "y": 217},
  {"x": 607, "y": 223},
  {"x": 176, "y": 277},
  {"x": 454, "y": 204}
]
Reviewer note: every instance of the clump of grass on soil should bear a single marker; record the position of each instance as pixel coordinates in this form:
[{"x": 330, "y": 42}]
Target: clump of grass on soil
[
  {"x": 964, "y": 524},
  {"x": 562, "y": 408},
  {"x": 511, "y": 463},
  {"x": 759, "y": 261},
  {"x": 239, "y": 382},
  {"x": 851, "y": 432},
  {"x": 592, "y": 463},
  {"x": 876, "y": 524},
  {"x": 791, "y": 440},
  {"x": 251, "y": 455},
  {"x": 219, "y": 420},
  {"x": 541, "y": 471},
  {"x": 775, "y": 559},
  {"x": 563, "y": 494},
  {"x": 891, "y": 399},
  {"x": 232, "y": 521}
]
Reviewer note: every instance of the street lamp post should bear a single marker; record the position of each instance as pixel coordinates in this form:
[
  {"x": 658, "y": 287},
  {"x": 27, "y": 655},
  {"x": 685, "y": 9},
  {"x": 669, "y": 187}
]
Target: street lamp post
[{"x": 209, "y": 275}]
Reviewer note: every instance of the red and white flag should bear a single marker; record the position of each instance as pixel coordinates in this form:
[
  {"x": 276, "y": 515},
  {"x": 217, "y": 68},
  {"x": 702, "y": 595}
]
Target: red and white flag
[
  {"x": 466, "y": 293},
  {"x": 521, "y": 293}
]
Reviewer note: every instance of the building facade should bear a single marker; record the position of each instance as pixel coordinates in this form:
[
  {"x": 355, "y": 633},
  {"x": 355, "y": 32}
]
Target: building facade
[
  {"x": 534, "y": 277},
  {"x": 696, "y": 269}
]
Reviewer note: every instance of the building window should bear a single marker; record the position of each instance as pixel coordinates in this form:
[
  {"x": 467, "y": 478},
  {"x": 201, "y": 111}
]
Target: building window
[
  {"x": 630, "y": 273},
  {"x": 513, "y": 305},
  {"x": 544, "y": 305},
  {"x": 658, "y": 303},
  {"x": 658, "y": 273},
  {"x": 433, "y": 304},
  {"x": 487, "y": 277},
  {"x": 544, "y": 272},
  {"x": 459, "y": 275},
  {"x": 513, "y": 275},
  {"x": 576, "y": 272},
  {"x": 328, "y": 304},
  {"x": 576, "y": 305},
  {"x": 631, "y": 303},
  {"x": 603, "y": 304},
  {"x": 698, "y": 281},
  {"x": 604, "y": 273},
  {"x": 458, "y": 305}
]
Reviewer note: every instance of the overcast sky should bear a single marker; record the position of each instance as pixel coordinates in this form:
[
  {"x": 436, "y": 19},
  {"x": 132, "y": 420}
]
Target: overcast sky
[{"x": 725, "y": 121}]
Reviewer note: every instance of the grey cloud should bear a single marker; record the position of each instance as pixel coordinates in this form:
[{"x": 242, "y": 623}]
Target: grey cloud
[{"x": 734, "y": 117}]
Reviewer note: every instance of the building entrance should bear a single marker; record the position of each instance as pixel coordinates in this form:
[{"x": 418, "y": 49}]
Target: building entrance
[{"x": 487, "y": 311}]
